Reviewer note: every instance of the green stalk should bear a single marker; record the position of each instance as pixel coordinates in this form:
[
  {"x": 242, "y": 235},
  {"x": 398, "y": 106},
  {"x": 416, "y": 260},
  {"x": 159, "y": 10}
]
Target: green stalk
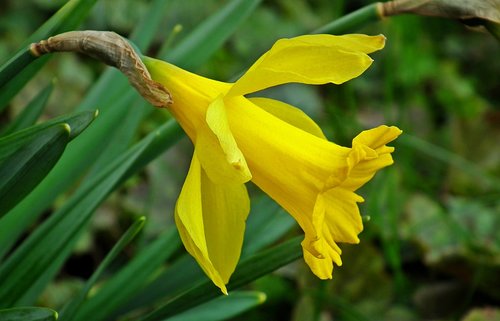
[
  {"x": 353, "y": 20},
  {"x": 494, "y": 29},
  {"x": 12, "y": 67}
]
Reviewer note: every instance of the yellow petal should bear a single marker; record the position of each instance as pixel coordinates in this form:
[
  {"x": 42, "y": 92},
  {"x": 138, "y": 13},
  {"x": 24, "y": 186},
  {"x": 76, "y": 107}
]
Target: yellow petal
[
  {"x": 217, "y": 149},
  {"x": 225, "y": 210},
  {"x": 377, "y": 137},
  {"x": 342, "y": 217},
  {"x": 190, "y": 222},
  {"x": 290, "y": 114},
  {"x": 321, "y": 267},
  {"x": 352, "y": 42},
  {"x": 287, "y": 163},
  {"x": 312, "y": 59},
  {"x": 191, "y": 93},
  {"x": 369, "y": 154},
  {"x": 211, "y": 222}
]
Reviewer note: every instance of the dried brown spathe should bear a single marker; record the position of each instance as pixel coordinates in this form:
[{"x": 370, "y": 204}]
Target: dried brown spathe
[
  {"x": 113, "y": 50},
  {"x": 488, "y": 10}
]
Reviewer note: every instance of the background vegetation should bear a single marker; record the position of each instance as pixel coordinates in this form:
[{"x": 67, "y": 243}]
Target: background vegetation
[{"x": 430, "y": 249}]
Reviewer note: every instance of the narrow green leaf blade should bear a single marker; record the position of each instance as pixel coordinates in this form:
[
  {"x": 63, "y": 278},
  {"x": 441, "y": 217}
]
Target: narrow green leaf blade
[
  {"x": 24, "y": 169},
  {"x": 37, "y": 260},
  {"x": 187, "y": 274},
  {"x": 14, "y": 66},
  {"x": 28, "y": 314},
  {"x": 222, "y": 308},
  {"x": 27, "y": 271},
  {"x": 267, "y": 223},
  {"x": 68, "y": 312},
  {"x": 248, "y": 270},
  {"x": 76, "y": 121},
  {"x": 201, "y": 44},
  {"x": 31, "y": 112},
  {"x": 135, "y": 275}
]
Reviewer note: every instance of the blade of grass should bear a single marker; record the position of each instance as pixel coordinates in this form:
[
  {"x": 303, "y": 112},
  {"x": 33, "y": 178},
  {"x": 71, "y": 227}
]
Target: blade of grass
[
  {"x": 24, "y": 169},
  {"x": 30, "y": 113},
  {"x": 247, "y": 270},
  {"x": 28, "y": 314},
  {"x": 453, "y": 159},
  {"x": 385, "y": 207},
  {"x": 68, "y": 312}
]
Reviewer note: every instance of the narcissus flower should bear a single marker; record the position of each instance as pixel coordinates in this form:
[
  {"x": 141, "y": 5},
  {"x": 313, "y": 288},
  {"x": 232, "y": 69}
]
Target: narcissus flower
[{"x": 278, "y": 147}]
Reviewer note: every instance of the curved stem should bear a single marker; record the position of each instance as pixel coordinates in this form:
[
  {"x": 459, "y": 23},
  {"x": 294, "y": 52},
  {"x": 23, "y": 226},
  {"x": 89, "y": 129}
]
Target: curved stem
[
  {"x": 353, "y": 20},
  {"x": 12, "y": 67}
]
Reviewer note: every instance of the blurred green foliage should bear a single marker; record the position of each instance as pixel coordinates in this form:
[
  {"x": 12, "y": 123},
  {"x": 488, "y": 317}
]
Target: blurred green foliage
[{"x": 431, "y": 249}]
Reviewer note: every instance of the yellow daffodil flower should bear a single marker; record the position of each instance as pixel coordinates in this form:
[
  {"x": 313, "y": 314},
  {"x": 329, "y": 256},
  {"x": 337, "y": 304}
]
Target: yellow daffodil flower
[{"x": 278, "y": 147}]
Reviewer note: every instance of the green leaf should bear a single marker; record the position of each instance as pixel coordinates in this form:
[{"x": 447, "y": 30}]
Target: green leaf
[
  {"x": 28, "y": 314},
  {"x": 68, "y": 312},
  {"x": 450, "y": 158},
  {"x": 14, "y": 66},
  {"x": 24, "y": 169},
  {"x": 143, "y": 34},
  {"x": 13, "y": 223},
  {"x": 76, "y": 121},
  {"x": 209, "y": 36},
  {"x": 267, "y": 223},
  {"x": 247, "y": 270},
  {"x": 135, "y": 275},
  {"x": 31, "y": 112},
  {"x": 187, "y": 274},
  {"x": 222, "y": 308},
  {"x": 13, "y": 74},
  {"x": 36, "y": 261}
]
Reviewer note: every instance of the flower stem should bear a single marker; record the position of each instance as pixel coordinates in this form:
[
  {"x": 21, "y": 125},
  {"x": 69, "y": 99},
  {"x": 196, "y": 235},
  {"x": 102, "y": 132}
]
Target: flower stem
[
  {"x": 353, "y": 20},
  {"x": 12, "y": 67},
  {"x": 494, "y": 29}
]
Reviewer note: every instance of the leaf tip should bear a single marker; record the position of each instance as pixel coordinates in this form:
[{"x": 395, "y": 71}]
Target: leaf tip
[
  {"x": 261, "y": 297},
  {"x": 67, "y": 128}
]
